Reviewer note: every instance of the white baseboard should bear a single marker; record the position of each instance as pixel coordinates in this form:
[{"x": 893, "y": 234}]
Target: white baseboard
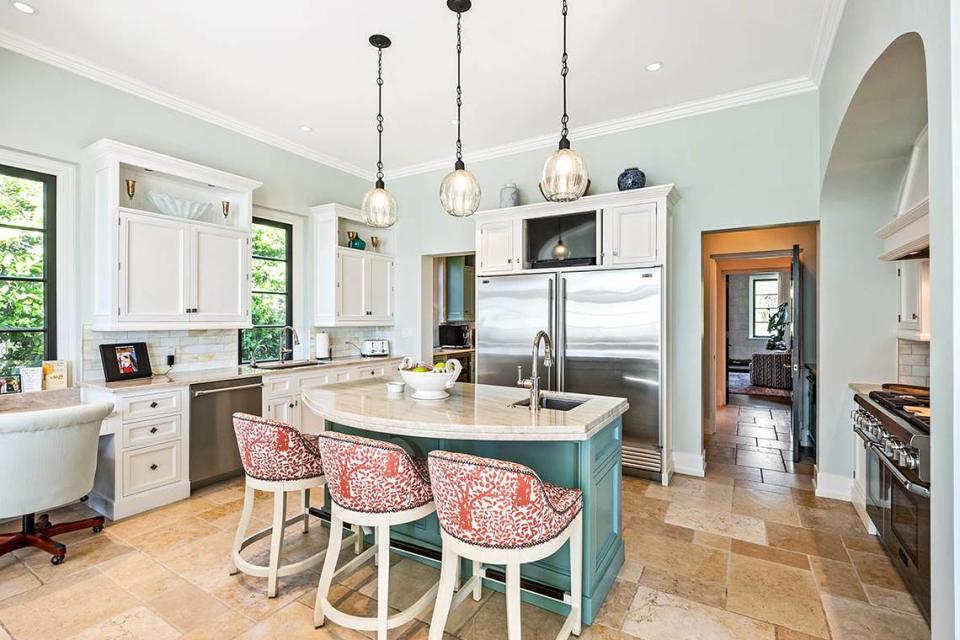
[
  {"x": 829, "y": 485},
  {"x": 860, "y": 506},
  {"x": 689, "y": 464}
]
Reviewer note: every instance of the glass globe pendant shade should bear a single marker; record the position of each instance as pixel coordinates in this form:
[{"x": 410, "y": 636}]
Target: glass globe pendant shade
[
  {"x": 560, "y": 250},
  {"x": 379, "y": 208},
  {"x": 564, "y": 175},
  {"x": 460, "y": 192}
]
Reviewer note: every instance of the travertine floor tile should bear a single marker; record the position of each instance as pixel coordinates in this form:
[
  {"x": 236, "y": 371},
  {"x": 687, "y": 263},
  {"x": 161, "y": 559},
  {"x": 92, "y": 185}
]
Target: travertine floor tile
[
  {"x": 853, "y": 620},
  {"x": 865, "y": 543},
  {"x": 734, "y": 471},
  {"x": 64, "y": 607},
  {"x": 771, "y": 554},
  {"x": 630, "y": 571},
  {"x": 713, "y": 594},
  {"x": 15, "y": 578},
  {"x": 598, "y": 632},
  {"x": 788, "y": 479},
  {"x": 661, "y": 616},
  {"x": 615, "y": 607},
  {"x": 825, "y": 544},
  {"x": 138, "y": 623},
  {"x": 837, "y": 578},
  {"x": 679, "y": 557},
  {"x": 757, "y": 432},
  {"x": 720, "y": 523},
  {"x": 172, "y": 536},
  {"x": 890, "y": 599},
  {"x": 491, "y": 622},
  {"x": 776, "y": 593},
  {"x": 765, "y": 505},
  {"x": 295, "y": 622},
  {"x": 638, "y": 504},
  {"x": 694, "y": 492},
  {"x": 712, "y": 540},
  {"x": 185, "y": 606},
  {"x": 227, "y": 625},
  {"x": 80, "y": 556},
  {"x": 636, "y": 525},
  {"x": 844, "y": 523},
  {"x": 877, "y": 571}
]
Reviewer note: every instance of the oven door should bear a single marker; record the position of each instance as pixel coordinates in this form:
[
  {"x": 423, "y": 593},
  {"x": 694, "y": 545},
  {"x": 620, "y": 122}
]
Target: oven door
[
  {"x": 877, "y": 483},
  {"x": 907, "y": 538}
]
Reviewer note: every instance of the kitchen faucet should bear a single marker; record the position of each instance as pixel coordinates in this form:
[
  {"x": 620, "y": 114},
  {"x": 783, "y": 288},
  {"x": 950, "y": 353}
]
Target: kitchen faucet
[
  {"x": 533, "y": 382},
  {"x": 296, "y": 340}
]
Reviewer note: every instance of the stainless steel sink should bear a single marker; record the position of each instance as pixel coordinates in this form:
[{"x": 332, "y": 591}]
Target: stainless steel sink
[
  {"x": 547, "y": 402},
  {"x": 288, "y": 364}
]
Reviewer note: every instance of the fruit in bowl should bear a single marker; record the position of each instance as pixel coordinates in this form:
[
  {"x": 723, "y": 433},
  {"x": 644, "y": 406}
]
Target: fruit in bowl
[{"x": 430, "y": 382}]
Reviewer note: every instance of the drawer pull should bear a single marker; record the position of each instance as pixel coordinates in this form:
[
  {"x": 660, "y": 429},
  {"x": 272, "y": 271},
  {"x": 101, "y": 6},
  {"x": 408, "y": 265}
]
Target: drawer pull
[
  {"x": 153, "y": 429},
  {"x": 153, "y": 467},
  {"x": 153, "y": 405}
]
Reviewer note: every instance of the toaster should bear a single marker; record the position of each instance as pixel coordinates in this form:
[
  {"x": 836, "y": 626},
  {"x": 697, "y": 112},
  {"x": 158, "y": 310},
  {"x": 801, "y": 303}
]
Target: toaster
[{"x": 375, "y": 348}]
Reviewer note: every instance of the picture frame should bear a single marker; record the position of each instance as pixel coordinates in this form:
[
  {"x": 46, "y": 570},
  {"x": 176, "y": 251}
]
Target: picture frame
[
  {"x": 125, "y": 361},
  {"x": 10, "y": 384}
]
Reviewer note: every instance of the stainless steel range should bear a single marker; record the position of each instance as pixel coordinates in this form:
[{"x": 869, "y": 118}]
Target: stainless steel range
[{"x": 894, "y": 425}]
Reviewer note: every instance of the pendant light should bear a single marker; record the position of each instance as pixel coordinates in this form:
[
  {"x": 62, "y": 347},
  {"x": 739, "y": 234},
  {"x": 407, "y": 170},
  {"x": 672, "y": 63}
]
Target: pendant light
[
  {"x": 460, "y": 189},
  {"x": 565, "y": 171},
  {"x": 379, "y": 208},
  {"x": 560, "y": 250}
]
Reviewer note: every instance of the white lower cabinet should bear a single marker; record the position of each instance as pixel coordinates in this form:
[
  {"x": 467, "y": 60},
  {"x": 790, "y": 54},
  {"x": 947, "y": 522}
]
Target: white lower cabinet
[
  {"x": 142, "y": 456},
  {"x": 284, "y": 408},
  {"x": 151, "y": 467}
]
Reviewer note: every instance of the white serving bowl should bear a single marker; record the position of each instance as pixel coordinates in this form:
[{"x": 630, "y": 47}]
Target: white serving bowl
[
  {"x": 177, "y": 207},
  {"x": 432, "y": 385}
]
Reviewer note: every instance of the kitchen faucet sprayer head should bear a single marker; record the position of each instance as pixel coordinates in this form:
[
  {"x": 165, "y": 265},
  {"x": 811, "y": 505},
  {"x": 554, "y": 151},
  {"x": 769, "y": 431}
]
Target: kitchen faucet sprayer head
[{"x": 548, "y": 357}]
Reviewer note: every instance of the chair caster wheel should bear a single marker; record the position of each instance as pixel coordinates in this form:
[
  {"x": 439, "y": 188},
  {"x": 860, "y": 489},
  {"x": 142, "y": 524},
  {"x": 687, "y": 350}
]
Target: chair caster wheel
[
  {"x": 98, "y": 528},
  {"x": 56, "y": 559},
  {"x": 84, "y": 498}
]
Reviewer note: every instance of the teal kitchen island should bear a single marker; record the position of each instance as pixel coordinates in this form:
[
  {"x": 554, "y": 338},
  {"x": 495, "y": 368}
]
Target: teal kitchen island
[{"x": 579, "y": 448}]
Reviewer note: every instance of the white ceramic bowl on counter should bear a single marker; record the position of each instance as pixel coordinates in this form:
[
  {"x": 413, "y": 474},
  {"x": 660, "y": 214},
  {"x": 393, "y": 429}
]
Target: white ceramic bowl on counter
[{"x": 432, "y": 385}]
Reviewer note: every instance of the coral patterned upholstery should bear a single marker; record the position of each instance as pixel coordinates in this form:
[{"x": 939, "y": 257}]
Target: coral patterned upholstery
[
  {"x": 498, "y": 504},
  {"x": 372, "y": 476},
  {"x": 273, "y": 450}
]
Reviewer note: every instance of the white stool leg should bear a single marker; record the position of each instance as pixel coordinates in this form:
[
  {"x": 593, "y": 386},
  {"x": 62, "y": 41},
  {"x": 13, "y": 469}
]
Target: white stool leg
[
  {"x": 478, "y": 589},
  {"x": 383, "y": 579},
  {"x": 576, "y": 573},
  {"x": 276, "y": 540},
  {"x": 448, "y": 582},
  {"x": 376, "y": 543},
  {"x": 513, "y": 601},
  {"x": 248, "y": 498},
  {"x": 329, "y": 567},
  {"x": 358, "y": 540},
  {"x": 305, "y": 497}
]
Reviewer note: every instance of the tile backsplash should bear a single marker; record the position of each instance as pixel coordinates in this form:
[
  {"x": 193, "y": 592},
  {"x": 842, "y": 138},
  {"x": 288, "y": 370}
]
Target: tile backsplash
[
  {"x": 340, "y": 336},
  {"x": 195, "y": 349},
  {"x": 913, "y": 363}
]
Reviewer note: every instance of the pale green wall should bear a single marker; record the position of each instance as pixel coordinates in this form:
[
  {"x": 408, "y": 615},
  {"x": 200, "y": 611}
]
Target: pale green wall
[
  {"x": 867, "y": 28},
  {"x": 751, "y": 166}
]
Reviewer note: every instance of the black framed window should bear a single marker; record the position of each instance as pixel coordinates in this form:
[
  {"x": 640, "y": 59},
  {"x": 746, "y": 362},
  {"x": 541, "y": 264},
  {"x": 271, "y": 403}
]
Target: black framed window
[
  {"x": 272, "y": 304},
  {"x": 764, "y": 300},
  {"x": 28, "y": 287}
]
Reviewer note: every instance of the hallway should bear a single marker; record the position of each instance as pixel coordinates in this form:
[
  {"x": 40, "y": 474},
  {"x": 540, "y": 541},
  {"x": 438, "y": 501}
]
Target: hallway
[{"x": 752, "y": 443}]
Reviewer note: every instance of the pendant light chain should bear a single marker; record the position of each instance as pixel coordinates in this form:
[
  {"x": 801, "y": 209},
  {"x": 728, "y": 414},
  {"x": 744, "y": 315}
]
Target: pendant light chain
[
  {"x": 379, "y": 114},
  {"x": 459, "y": 91},
  {"x": 563, "y": 73}
]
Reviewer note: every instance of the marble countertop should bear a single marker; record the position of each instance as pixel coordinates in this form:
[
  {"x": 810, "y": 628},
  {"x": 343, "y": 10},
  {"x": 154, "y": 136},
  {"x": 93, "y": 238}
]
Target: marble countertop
[
  {"x": 39, "y": 400},
  {"x": 864, "y": 388},
  {"x": 472, "y": 412},
  {"x": 183, "y": 378}
]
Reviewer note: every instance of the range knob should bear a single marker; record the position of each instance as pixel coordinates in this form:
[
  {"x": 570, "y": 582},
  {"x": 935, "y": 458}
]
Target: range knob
[{"x": 908, "y": 458}]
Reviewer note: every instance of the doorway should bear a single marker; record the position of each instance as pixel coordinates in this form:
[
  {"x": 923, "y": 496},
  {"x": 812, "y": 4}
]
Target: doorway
[
  {"x": 448, "y": 311},
  {"x": 759, "y": 354}
]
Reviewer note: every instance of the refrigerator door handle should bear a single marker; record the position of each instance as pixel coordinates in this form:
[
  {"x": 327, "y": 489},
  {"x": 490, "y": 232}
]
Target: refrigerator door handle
[
  {"x": 550, "y": 327},
  {"x": 562, "y": 331}
]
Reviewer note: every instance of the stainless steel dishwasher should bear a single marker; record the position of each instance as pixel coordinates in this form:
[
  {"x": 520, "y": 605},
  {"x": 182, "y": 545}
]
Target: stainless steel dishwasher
[{"x": 213, "y": 446}]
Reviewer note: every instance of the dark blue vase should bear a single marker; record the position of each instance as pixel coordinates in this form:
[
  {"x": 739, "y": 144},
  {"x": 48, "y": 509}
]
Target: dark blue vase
[{"x": 631, "y": 178}]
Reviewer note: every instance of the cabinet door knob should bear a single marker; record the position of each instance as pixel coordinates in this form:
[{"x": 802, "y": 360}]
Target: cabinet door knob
[
  {"x": 616, "y": 253},
  {"x": 153, "y": 467},
  {"x": 914, "y": 316},
  {"x": 153, "y": 429},
  {"x": 291, "y": 405},
  {"x": 153, "y": 405}
]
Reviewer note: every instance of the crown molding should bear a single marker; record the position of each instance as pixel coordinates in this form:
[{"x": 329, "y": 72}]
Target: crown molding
[
  {"x": 93, "y": 71},
  {"x": 759, "y": 93},
  {"x": 829, "y": 24}
]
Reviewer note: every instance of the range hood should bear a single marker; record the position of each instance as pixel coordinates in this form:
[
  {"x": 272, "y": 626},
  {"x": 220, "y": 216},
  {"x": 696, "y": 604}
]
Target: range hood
[{"x": 907, "y": 236}]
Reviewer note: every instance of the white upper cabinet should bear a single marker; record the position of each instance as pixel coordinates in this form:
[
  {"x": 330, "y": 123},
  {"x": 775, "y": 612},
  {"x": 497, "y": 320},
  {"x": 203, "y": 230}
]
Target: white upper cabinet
[
  {"x": 913, "y": 314},
  {"x": 222, "y": 282},
  {"x": 630, "y": 234},
  {"x": 495, "y": 242},
  {"x": 154, "y": 270},
  {"x": 352, "y": 287},
  {"x": 171, "y": 242},
  {"x": 622, "y": 230}
]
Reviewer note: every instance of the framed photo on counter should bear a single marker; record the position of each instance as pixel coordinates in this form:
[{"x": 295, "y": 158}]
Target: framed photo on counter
[
  {"x": 9, "y": 384},
  {"x": 125, "y": 361}
]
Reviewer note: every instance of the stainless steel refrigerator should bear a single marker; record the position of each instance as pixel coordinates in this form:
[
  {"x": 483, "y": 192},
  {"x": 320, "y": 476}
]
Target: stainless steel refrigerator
[{"x": 605, "y": 327}]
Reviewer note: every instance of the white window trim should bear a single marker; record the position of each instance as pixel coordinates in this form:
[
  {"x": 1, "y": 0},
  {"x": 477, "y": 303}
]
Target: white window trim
[
  {"x": 68, "y": 322},
  {"x": 751, "y": 298}
]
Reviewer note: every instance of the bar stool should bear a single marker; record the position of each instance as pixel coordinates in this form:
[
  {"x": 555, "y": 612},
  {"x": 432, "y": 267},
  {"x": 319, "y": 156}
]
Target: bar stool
[
  {"x": 498, "y": 512},
  {"x": 276, "y": 458},
  {"x": 372, "y": 484}
]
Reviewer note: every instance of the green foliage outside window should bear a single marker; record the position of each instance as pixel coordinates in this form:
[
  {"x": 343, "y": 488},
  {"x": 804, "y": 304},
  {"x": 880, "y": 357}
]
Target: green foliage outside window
[
  {"x": 22, "y": 277},
  {"x": 270, "y": 308}
]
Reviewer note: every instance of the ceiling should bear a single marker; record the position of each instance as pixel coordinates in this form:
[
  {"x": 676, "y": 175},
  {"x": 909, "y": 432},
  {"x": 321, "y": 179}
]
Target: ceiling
[{"x": 266, "y": 68}]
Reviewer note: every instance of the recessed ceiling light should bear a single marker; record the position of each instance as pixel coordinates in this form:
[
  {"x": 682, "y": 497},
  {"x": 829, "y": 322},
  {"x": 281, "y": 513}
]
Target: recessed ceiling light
[
  {"x": 305, "y": 128},
  {"x": 23, "y": 7},
  {"x": 655, "y": 66}
]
